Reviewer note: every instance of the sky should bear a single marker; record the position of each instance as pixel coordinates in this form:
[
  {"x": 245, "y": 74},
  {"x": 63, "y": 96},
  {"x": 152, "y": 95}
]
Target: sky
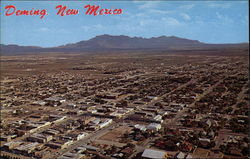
[{"x": 206, "y": 21}]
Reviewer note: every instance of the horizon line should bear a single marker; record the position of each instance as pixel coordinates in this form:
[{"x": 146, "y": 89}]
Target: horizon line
[{"x": 127, "y": 36}]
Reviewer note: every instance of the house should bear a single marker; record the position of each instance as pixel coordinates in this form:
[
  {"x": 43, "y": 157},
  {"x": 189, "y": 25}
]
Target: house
[
  {"x": 211, "y": 134},
  {"x": 51, "y": 132},
  {"x": 154, "y": 154},
  {"x": 71, "y": 105},
  {"x": 118, "y": 155},
  {"x": 96, "y": 121},
  {"x": 234, "y": 151},
  {"x": 86, "y": 119},
  {"x": 69, "y": 155},
  {"x": 55, "y": 99},
  {"x": 152, "y": 97},
  {"x": 163, "y": 113},
  {"x": 82, "y": 135},
  {"x": 186, "y": 147},
  {"x": 90, "y": 148},
  {"x": 127, "y": 150},
  {"x": 217, "y": 155},
  {"x": 158, "y": 118},
  {"x": 41, "y": 138},
  {"x": 7, "y": 138},
  {"x": 80, "y": 149},
  {"x": 140, "y": 127},
  {"x": 208, "y": 123},
  {"x": 26, "y": 148},
  {"x": 59, "y": 144},
  {"x": 40, "y": 103},
  {"x": 154, "y": 126},
  {"x": 200, "y": 153},
  {"x": 34, "y": 126},
  {"x": 12, "y": 144},
  {"x": 56, "y": 118},
  {"x": 116, "y": 114},
  {"x": 180, "y": 155},
  {"x": 189, "y": 156},
  {"x": 105, "y": 123},
  {"x": 204, "y": 142}
]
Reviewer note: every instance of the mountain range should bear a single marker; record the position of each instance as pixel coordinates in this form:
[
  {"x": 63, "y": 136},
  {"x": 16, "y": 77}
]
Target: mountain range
[{"x": 108, "y": 43}]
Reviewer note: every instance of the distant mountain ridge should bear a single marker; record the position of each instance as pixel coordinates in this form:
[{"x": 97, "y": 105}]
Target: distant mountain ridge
[
  {"x": 126, "y": 42},
  {"x": 109, "y": 42}
]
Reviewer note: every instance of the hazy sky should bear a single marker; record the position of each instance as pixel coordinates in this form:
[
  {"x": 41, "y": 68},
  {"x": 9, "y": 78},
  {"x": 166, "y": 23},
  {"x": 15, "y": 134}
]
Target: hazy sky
[{"x": 207, "y": 21}]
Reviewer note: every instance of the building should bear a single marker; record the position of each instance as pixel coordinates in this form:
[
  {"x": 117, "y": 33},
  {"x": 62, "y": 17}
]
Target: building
[
  {"x": 57, "y": 118},
  {"x": 41, "y": 138},
  {"x": 154, "y": 126},
  {"x": 140, "y": 127},
  {"x": 204, "y": 142},
  {"x": 158, "y": 118},
  {"x": 59, "y": 144},
  {"x": 12, "y": 144},
  {"x": 82, "y": 135},
  {"x": 154, "y": 154},
  {"x": 90, "y": 148},
  {"x": 26, "y": 148},
  {"x": 180, "y": 155},
  {"x": 105, "y": 123},
  {"x": 51, "y": 132},
  {"x": 7, "y": 138},
  {"x": 200, "y": 153},
  {"x": 69, "y": 155},
  {"x": 86, "y": 119},
  {"x": 55, "y": 99}
]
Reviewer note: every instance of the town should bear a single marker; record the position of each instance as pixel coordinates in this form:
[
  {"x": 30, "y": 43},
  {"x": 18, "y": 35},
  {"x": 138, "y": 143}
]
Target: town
[{"x": 119, "y": 106}]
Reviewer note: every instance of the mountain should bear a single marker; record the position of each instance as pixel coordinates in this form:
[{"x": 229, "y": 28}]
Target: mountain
[
  {"x": 109, "y": 43},
  {"x": 126, "y": 42},
  {"x": 16, "y": 48}
]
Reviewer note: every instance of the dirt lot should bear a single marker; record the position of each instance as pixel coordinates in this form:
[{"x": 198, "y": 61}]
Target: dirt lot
[{"x": 116, "y": 133}]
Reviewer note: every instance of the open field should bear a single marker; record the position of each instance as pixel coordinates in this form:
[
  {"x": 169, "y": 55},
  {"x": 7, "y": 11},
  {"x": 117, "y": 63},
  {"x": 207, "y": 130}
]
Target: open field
[{"x": 115, "y": 134}]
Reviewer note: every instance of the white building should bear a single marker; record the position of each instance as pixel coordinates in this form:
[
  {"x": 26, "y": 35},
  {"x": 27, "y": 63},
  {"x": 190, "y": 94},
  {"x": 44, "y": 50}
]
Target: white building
[
  {"x": 105, "y": 123},
  {"x": 140, "y": 127},
  {"x": 154, "y": 154},
  {"x": 82, "y": 135},
  {"x": 154, "y": 126},
  {"x": 158, "y": 118}
]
